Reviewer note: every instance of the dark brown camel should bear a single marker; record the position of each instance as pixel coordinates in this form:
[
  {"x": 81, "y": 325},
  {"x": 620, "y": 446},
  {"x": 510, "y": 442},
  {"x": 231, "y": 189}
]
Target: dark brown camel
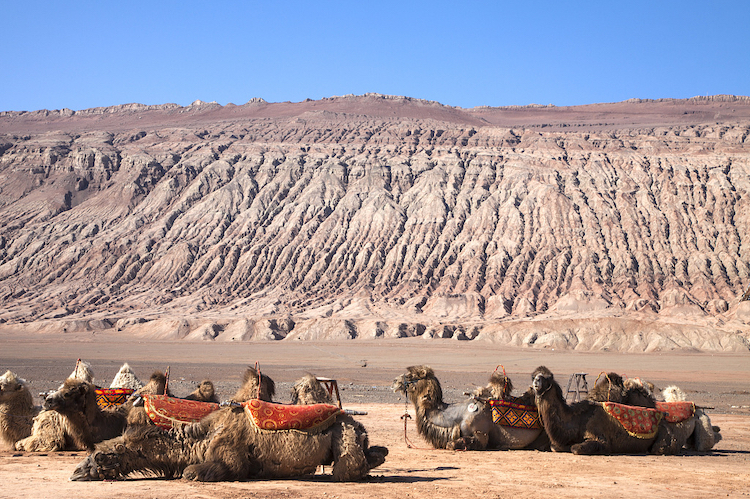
[{"x": 583, "y": 427}]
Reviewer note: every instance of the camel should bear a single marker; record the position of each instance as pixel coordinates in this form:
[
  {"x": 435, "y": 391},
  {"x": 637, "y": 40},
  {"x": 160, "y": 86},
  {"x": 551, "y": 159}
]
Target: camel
[
  {"x": 17, "y": 409},
  {"x": 464, "y": 425},
  {"x": 696, "y": 432},
  {"x": 583, "y": 427},
  {"x": 81, "y": 423},
  {"x": 204, "y": 393},
  {"x": 308, "y": 390},
  {"x": 228, "y": 445}
]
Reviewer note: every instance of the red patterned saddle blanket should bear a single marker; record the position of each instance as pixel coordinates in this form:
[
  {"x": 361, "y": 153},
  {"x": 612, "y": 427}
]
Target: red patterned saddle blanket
[
  {"x": 165, "y": 411},
  {"x": 676, "y": 412},
  {"x": 511, "y": 413},
  {"x": 270, "y": 416},
  {"x": 109, "y": 397},
  {"x": 640, "y": 422}
]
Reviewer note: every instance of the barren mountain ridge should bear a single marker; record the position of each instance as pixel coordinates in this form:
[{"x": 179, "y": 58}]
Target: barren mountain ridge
[{"x": 612, "y": 226}]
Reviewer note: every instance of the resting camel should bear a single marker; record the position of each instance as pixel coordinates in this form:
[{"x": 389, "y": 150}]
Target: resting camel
[
  {"x": 464, "y": 425},
  {"x": 17, "y": 409},
  {"x": 81, "y": 423},
  {"x": 228, "y": 445},
  {"x": 583, "y": 427},
  {"x": 695, "y": 432}
]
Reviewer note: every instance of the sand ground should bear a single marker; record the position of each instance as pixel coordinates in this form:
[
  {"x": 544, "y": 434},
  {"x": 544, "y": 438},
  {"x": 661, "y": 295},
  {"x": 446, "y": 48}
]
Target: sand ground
[{"x": 364, "y": 370}]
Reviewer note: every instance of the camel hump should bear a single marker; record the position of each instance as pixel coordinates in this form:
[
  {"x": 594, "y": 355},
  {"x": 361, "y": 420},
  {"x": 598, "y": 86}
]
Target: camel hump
[{"x": 270, "y": 416}]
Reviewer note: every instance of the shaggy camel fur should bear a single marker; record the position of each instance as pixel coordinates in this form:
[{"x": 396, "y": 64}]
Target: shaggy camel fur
[
  {"x": 204, "y": 393},
  {"x": 465, "y": 425},
  {"x": 17, "y": 409},
  {"x": 583, "y": 427},
  {"x": 308, "y": 390},
  {"x": 82, "y": 422}
]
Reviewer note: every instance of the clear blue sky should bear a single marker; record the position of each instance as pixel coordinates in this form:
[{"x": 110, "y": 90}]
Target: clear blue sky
[{"x": 84, "y": 54}]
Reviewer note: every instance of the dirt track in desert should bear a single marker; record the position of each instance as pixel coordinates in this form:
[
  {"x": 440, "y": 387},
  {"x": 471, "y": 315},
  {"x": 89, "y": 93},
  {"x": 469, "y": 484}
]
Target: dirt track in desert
[{"x": 364, "y": 370}]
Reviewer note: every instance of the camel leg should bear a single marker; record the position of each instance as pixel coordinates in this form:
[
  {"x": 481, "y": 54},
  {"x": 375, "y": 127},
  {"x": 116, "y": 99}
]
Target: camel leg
[
  {"x": 591, "y": 447},
  {"x": 226, "y": 459},
  {"x": 478, "y": 441},
  {"x": 349, "y": 460}
]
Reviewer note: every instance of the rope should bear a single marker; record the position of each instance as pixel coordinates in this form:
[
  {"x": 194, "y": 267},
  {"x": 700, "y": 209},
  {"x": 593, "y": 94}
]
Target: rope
[
  {"x": 505, "y": 380},
  {"x": 260, "y": 378}
]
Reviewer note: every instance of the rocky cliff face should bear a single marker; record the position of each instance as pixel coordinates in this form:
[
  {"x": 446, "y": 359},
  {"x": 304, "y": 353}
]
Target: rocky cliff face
[{"x": 329, "y": 224}]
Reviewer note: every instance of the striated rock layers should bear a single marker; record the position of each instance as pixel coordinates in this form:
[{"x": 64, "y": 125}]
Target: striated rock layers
[{"x": 360, "y": 225}]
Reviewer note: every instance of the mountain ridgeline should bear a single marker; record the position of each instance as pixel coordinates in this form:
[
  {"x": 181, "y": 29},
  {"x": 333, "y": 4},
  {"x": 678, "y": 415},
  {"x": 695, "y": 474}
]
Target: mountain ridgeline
[{"x": 351, "y": 224}]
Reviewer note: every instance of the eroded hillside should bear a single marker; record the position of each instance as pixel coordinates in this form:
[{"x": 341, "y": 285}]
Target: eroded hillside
[{"x": 328, "y": 225}]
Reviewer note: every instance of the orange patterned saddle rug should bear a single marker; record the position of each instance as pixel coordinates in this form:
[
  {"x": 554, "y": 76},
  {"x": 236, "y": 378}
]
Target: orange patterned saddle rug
[
  {"x": 640, "y": 422},
  {"x": 109, "y": 397},
  {"x": 511, "y": 413},
  {"x": 165, "y": 411},
  {"x": 270, "y": 416},
  {"x": 676, "y": 412}
]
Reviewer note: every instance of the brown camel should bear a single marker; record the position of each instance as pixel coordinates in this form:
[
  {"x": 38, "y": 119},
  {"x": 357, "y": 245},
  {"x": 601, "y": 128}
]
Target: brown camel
[
  {"x": 227, "y": 445},
  {"x": 82, "y": 422},
  {"x": 583, "y": 427},
  {"x": 464, "y": 425},
  {"x": 695, "y": 432},
  {"x": 17, "y": 409},
  {"x": 204, "y": 393},
  {"x": 308, "y": 390}
]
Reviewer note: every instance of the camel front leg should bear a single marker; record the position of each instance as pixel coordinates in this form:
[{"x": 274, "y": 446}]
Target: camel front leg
[
  {"x": 477, "y": 441},
  {"x": 592, "y": 447}
]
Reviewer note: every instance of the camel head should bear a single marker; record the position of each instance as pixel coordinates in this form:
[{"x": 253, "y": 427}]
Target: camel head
[
  {"x": 204, "y": 393},
  {"x": 420, "y": 385},
  {"x": 308, "y": 390},
  {"x": 156, "y": 385},
  {"x": 75, "y": 396},
  {"x": 249, "y": 389},
  {"x": 142, "y": 448},
  {"x": 10, "y": 385},
  {"x": 609, "y": 387},
  {"x": 542, "y": 381}
]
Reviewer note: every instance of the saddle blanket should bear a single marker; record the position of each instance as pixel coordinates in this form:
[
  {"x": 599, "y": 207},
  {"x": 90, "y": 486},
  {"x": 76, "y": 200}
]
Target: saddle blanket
[
  {"x": 109, "y": 397},
  {"x": 640, "y": 422},
  {"x": 676, "y": 412},
  {"x": 511, "y": 413},
  {"x": 270, "y": 416},
  {"x": 165, "y": 411}
]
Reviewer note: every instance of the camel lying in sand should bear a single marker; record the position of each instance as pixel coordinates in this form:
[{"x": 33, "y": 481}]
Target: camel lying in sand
[
  {"x": 465, "y": 425},
  {"x": 695, "y": 432},
  {"x": 584, "y": 427},
  {"x": 80, "y": 422},
  {"x": 17, "y": 409},
  {"x": 229, "y": 445}
]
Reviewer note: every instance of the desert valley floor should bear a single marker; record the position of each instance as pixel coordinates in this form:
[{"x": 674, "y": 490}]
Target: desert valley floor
[{"x": 364, "y": 370}]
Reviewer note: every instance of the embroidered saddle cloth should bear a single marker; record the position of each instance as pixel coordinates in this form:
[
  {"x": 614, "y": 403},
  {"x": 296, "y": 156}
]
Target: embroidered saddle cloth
[
  {"x": 676, "y": 412},
  {"x": 270, "y": 416},
  {"x": 640, "y": 422},
  {"x": 511, "y": 413},
  {"x": 108, "y": 397},
  {"x": 165, "y": 411}
]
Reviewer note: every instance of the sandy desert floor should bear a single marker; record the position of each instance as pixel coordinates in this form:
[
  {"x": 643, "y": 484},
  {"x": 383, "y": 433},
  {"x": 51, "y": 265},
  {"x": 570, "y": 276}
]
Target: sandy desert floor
[{"x": 364, "y": 370}]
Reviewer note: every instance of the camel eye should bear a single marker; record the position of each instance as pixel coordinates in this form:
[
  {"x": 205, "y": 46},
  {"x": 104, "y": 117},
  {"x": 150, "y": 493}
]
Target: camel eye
[{"x": 119, "y": 448}]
